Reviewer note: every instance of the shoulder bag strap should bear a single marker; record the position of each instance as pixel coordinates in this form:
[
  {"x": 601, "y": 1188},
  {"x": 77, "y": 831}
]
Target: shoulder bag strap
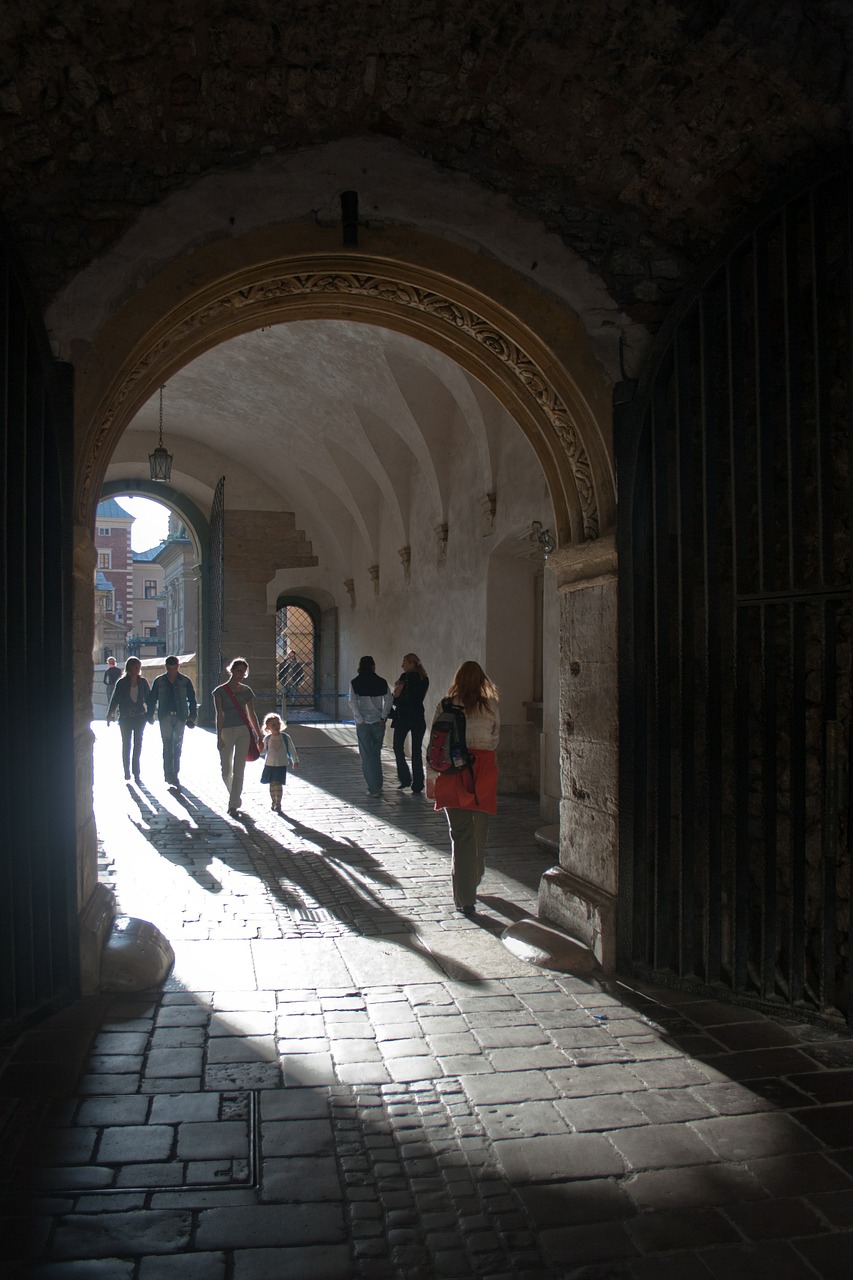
[{"x": 241, "y": 713}]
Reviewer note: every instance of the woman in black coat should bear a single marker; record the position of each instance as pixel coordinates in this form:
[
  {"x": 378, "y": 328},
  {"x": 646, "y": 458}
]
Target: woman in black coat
[
  {"x": 408, "y": 718},
  {"x": 130, "y": 703}
]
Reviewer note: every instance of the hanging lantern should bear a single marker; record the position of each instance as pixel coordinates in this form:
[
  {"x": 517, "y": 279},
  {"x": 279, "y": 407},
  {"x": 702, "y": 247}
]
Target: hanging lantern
[{"x": 160, "y": 461}]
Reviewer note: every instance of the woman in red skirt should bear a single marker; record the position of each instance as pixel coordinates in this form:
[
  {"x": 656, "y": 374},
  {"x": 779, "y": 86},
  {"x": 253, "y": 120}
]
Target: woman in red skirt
[{"x": 469, "y": 798}]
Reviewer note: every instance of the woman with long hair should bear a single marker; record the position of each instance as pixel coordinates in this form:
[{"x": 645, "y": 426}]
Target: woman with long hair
[
  {"x": 407, "y": 715},
  {"x": 236, "y": 726},
  {"x": 470, "y": 796},
  {"x": 129, "y": 702}
]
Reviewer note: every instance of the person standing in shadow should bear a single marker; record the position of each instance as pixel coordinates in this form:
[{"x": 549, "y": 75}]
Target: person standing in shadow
[
  {"x": 407, "y": 716},
  {"x": 370, "y": 700},
  {"x": 130, "y": 704},
  {"x": 470, "y": 795}
]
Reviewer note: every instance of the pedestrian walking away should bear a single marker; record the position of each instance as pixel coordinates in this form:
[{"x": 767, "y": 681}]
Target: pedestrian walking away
[
  {"x": 173, "y": 701},
  {"x": 470, "y": 795},
  {"x": 236, "y": 728},
  {"x": 111, "y": 675},
  {"x": 129, "y": 703},
  {"x": 279, "y": 755},
  {"x": 408, "y": 719},
  {"x": 370, "y": 701}
]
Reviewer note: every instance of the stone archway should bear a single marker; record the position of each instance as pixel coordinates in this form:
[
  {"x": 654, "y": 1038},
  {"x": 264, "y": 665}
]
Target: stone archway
[
  {"x": 198, "y": 526},
  {"x": 527, "y": 349}
]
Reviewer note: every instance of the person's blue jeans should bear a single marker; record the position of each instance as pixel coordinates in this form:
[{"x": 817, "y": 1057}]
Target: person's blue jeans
[
  {"x": 370, "y": 738},
  {"x": 132, "y": 729},
  {"x": 172, "y": 733}
]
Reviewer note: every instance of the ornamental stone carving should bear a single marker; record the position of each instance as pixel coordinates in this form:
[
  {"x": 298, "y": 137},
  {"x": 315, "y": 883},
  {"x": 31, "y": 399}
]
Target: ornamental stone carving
[{"x": 269, "y": 296}]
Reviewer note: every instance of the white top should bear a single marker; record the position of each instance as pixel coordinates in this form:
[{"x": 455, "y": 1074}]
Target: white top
[
  {"x": 481, "y": 729},
  {"x": 370, "y": 709},
  {"x": 276, "y": 752}
]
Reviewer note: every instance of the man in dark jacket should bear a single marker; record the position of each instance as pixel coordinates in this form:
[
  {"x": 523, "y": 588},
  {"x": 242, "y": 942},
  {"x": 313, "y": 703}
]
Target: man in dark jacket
[{"x": 174, "y": 703}]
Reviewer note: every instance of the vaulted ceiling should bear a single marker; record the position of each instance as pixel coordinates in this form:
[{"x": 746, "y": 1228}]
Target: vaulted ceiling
[{"x": 339, "y": 423}]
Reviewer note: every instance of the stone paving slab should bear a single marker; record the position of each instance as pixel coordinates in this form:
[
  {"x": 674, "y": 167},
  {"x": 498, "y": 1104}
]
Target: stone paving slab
[
  {"x": 429, "y": 1105},
  {"x": 389, "y": 960}
]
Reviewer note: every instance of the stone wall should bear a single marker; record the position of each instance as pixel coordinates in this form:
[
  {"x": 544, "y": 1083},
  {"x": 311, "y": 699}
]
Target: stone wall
[
  {"x": 257, "y": 545},
  {"x": 580, "y": 894},
  {"x": 559, "y": 109}
]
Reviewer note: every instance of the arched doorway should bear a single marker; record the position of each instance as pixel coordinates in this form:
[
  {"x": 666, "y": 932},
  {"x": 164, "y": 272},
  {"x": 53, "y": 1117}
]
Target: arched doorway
[
  {"x": 532, "y": 354},
  {"x": 529, "y": 356},
  {"x": 204, "y": 556},
  {"x": 297, "y": 651}
]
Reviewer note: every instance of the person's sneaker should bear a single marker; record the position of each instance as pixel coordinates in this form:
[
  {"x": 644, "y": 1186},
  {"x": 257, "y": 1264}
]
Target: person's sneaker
[{"x": 233, "y": 813}]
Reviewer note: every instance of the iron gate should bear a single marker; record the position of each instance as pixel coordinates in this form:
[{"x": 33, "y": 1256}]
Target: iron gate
[
  {"x": 296, "y": 657},
  {"x": 38, "y": 875},
  {"x": 734, "y": 462}
]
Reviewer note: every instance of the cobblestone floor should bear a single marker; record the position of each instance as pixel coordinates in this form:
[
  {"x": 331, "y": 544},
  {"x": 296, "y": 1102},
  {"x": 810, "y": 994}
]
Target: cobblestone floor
[{"x": 344, "y": 1078}]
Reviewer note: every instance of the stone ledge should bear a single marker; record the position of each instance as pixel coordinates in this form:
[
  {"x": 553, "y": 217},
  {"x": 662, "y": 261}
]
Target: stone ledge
[
  {"x": 585, "y": 911},
  {"x": 548, "y": 948},
  {"x": 550, "y": 837},
  {"x": 585, "y": 564}
]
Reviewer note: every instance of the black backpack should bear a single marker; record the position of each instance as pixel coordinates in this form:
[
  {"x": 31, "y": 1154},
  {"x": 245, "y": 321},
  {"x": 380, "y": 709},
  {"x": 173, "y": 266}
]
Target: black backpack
[{"x": 446, "y": 749}]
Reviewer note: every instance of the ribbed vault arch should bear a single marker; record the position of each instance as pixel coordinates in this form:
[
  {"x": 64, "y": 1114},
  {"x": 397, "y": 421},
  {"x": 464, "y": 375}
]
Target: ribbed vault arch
[{"x": 529, "y": 354}]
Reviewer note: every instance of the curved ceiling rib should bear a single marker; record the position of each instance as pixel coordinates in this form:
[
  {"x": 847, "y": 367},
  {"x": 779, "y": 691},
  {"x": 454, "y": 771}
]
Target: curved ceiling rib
[{"x": 340, "y": 422}]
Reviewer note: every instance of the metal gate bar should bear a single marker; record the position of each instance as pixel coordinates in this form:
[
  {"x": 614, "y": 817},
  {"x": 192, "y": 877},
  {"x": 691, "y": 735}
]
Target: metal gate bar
[
  {"x": 713, "y": 352},
  {"x": 297, "y": 632},
  {"x": 39, "y": 959},
  {"x": 736, "y": 623}
]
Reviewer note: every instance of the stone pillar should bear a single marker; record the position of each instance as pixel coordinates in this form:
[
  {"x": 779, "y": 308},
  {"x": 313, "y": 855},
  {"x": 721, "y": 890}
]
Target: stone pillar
[
  {"x": 579, "y": 895},
  {"x": 257, "y": 545},
  {"x": 95, "y": 904}
]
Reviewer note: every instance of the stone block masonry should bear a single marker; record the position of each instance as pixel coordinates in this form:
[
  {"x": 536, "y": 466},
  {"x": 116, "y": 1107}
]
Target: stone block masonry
[
  {"x": 345, "y": 1078},
  {"x": 257, "y": 545}
]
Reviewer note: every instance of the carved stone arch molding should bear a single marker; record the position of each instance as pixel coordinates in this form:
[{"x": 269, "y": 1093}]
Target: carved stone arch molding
[{"x": 528, "y": 349}]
